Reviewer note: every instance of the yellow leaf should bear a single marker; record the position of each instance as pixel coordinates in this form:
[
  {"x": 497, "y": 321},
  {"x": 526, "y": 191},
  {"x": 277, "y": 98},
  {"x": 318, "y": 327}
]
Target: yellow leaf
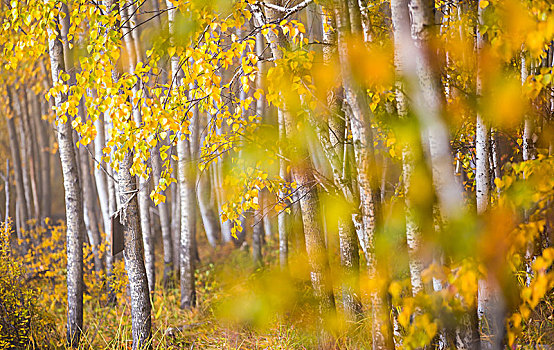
[
  {"x": 159, "y": 312},
  {"x": 257, "y": 94},
  {"x": 395, "y": 289}
]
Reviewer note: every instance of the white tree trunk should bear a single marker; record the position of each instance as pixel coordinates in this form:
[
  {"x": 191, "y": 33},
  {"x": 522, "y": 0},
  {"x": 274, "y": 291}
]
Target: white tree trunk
[
  {"x": 401, "y": 29},
  {"x": 490, "y": 307},
  {"x": 73, "y": 200},
  {"x": 21, "y": 213},
  {"x": 100, "y": 175},
  {"x": 133, "y": 52},
  {"x": 281, "y": 217},
  {"x": 422, "y": 84},
  {"x": 315, "y": 243},
  {"x": 165, "y": 222},
  {"x": 205, "y": 195},
  {"x": 186, "y": 193},
  {"x": 133, "y": 253},
  {"x": 188, "y": 292},
  {"x": 134, "y": 256},
  {"x": 362, "y": 136}
]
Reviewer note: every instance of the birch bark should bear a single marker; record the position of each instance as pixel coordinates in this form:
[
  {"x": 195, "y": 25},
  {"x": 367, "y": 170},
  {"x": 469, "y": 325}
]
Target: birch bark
[
  {"x": 349, "y": 22},
  {"x": 207, "y": 211},
  {"x": 31, "y": 153},
  {"x": 428, "y": 102},
  {"x": 176, "y": 223},
  {"x": 89, "y": 199},
  {"x": 163, "y": 208},
  {"x": 490, "y": 304},
  {"x": 186, "y": 182},
  {"x": 89, "y": 214},
  {"x": 193, "y": 142},
  {"x": 134, "y": 255},
  {"x": 133, "y": 51},
  {"x": 422, "y": 84},
  {"x": 22, "y": 149},
  {"x": 133, "y": 252},
  {"x": 43, "y": 145},
  {"x": 257, "y": 235},
  {"x": 7, "y": 179},
  {"x": 332, "y": 144},
  {"x": 73, "y": 199},
  {"x": 302, "y": 175},
  {"x": 282, "y": 219},
  {"x": 188, "y": 291},
  {"x": 528, "y": 126},
  {"x": 204, "y": 195},
  {"x": 401, "y": 29},
  {"x": 165, "y": 222},
  {"x": 16, "y": 158},
  {"x": 100, "y": 176}
]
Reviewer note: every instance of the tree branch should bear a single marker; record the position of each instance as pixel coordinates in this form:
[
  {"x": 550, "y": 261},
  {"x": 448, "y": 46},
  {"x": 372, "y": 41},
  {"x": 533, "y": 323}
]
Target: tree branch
[{"x": 288, "y": 11}]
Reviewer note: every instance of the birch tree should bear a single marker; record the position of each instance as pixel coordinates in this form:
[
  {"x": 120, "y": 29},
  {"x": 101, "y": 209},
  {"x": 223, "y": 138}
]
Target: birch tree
[
  {"x": 490, "y": 303},
  {"x": 186, "y": 193},
  {"x": 133, "y": 253},
  {"x": 295, "y": 109},
  {"x": 73, "y": 199},
  {"x": 365, "y": 166},
  {"x": 423, "y": 87},
  {"x": 21, "y": 213},
  {"x": 315, "y": 244}
]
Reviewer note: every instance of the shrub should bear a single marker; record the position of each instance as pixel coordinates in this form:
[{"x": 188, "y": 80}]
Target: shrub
[{"x": 22, "y": 324}]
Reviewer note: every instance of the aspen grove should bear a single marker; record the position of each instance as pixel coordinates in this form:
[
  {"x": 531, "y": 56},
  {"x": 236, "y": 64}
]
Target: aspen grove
[{"x": 271, "y": 174}]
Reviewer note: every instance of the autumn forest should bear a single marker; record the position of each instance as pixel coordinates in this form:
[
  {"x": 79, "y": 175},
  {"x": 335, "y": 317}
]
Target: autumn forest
[{"x": 277, "y": 174}]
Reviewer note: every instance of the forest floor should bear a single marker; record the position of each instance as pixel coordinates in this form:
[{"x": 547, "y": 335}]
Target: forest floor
[
  {"x": 239, "y": 305},
  {"x": 212, "y": 324},
  {"x": 234, "y": 308}
]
